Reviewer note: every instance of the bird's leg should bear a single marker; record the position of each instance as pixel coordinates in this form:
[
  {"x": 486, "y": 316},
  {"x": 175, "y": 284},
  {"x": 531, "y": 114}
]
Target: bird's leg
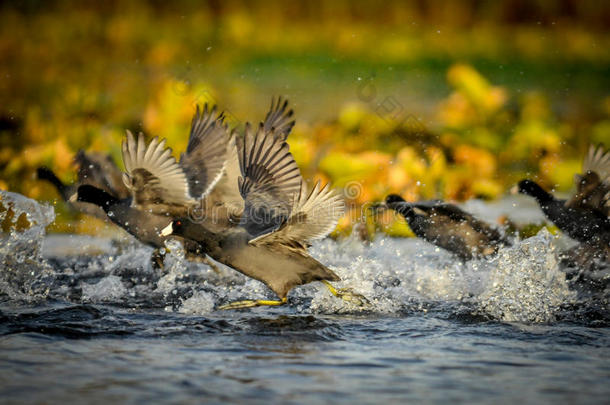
[
  {"x": 253, "y": 303},
  {"x": 347, "y": 294}
]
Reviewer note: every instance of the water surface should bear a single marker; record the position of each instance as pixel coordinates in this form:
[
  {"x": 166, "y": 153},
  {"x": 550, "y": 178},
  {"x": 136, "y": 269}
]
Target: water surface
[{"x": 88, "y": 319}]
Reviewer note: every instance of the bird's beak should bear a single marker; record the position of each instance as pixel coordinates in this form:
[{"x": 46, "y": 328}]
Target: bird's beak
[
  {"x": 168, "y": 230},
  {"x": 73, "y": 198},
  {"x": 514, "y": 190}
]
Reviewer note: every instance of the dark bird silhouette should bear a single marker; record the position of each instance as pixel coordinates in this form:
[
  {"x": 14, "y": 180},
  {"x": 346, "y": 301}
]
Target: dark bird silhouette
[
  {"x": 95, "y": 169},
  {"x": 580, "y": 223},
  {"x": 449, "y": 227},
  {"x": 585, "y": 215}
]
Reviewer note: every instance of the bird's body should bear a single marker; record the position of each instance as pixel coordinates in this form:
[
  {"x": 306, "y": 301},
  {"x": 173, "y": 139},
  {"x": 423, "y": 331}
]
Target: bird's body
[
  {"x": 143, "y": 225},
  {"x": 278, "y": 267},
  {"x": 582, "y": 224},
  {"x": 449, "y": 227},
  {"x": 95, "y": 169},
  {"x": 290, "y": 268},
  {"x": 584, "y": 217},
  {"x": 280, "y": 218}
]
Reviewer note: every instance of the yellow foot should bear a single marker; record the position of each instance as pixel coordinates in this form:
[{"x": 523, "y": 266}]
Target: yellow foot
[
  {"x": 347, "y": 294},
  {"x": 252, "y": 303}
]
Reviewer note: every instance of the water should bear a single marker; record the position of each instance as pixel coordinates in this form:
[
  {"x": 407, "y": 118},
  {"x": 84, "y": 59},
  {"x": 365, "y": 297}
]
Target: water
[{"x": 90, "y": 319}]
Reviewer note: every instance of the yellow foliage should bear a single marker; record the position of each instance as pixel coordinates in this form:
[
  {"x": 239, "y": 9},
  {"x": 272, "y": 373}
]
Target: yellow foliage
[
  {"x": 475, "y": 88},
  {"x": 532, "y": 140},
  {"x": 352, "y": 115},
  {"x": 480, "y": 137},
  {"x": 487, "y": 189},
  {"x": 480, "y": 162}
]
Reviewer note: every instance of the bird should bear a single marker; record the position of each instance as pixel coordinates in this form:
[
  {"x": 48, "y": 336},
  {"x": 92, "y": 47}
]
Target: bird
[
  {"x": 94, "y": 168},
  {"x": 281, "y": 218},
  {"x": 583, "y": 224},
  {"x": 151, "y": 169},
  {"x": 224, "y": 205},
  {"x": 584, "y": 216},
  {"x": 159, "y": 186},
  {"x": 449, "y": 227},
  {"x": 593, "y": 184},
  {"x": 143, "y": 225}
]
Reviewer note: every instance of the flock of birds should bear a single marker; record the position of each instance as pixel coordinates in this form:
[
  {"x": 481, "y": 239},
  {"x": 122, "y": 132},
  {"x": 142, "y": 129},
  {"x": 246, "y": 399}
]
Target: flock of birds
[
  {"x": 241, "y": 200},
  {"x": 584, "y": 217}
]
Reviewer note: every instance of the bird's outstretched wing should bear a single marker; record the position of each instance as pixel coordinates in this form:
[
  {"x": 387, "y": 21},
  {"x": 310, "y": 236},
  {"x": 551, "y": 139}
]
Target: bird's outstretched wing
[
  {"x": 314, "y": 215},
  {"x": 279, "y": 118},
  {"x": 205, "y": 158},
  {"x": 152, "y": 174},
  {"x": 598, "y": 161},
  {"x": 593, "y": 183},
  {"x": 269, "y": 180}
]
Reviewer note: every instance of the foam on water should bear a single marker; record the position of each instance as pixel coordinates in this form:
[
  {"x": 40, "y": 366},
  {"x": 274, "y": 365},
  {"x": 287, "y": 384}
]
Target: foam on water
[
  {"x": 108, "y": 289},
  {"x": 200, "y": 303},
  {"x": 525, "y": 283},
  {"x": 522, "y": 283}
]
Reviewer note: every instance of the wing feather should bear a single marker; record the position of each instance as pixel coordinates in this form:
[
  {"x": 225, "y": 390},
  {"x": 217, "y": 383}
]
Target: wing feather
[
  {"x": 152, "y": 173},
  {"x": 206, "y": 153},
  {"x": 279, "y": 118},
  {"x": 269, "y": 180},
  {"x": 314, "y": 215},
  {"x": 593, "y": 183},
  {"x": 598, "y": 161}
]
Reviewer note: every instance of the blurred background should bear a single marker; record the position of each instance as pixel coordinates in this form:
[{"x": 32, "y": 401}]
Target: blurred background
[{"x": 452, "y": 100}]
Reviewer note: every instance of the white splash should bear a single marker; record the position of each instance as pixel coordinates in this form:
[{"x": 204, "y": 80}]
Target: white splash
[
  {"x": 200, "y": 303},
  {"x": 525, "y": 283},
  {"x": 22, "y": 229},
  {"x": 23, "y": 225},
  {"x": 522, "y": 283},
  {"x": 108, "y": 289}
]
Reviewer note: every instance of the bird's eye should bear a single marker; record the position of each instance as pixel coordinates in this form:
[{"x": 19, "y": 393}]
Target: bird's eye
[{"x": 178, "y": 223}]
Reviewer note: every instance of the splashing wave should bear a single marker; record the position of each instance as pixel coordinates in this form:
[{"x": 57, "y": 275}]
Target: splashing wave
[{"x": 523, "y": 283}]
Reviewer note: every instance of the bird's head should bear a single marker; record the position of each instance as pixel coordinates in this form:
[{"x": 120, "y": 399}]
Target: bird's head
[
  {"x": 533, "y": 189},
  {"x": 393, "y": 199},
  {"x": 176, "y": 227}
]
